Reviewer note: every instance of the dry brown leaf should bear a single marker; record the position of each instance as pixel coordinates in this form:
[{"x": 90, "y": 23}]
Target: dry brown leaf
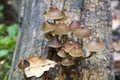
[{"x": 38, "y": 66}]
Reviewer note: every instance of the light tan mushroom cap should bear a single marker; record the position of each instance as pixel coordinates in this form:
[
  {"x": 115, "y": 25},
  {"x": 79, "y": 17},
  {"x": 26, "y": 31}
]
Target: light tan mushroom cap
[
  {"x": 54, "y": 13},
  {"x": 47, "y": 27},
  {"x": 74, "y": 25},
  {"x": 95, "y": 45},
  {"x": 61, "y": 53},
  {"x": 76, "y": 52},
  {"x": 69, "y": 45},
  {"x": 61, "y": 29},
  {"x": 82, "y": 32}
]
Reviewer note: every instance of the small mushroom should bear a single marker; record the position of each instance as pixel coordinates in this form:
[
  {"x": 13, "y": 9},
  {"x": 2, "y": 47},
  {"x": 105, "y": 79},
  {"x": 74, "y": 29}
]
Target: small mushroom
[
  {"x": 73, "y": 73},
  {"x": 47, "y": 27},
  {"x": 61, "y": 29},
  {"x": 67, "y": 62},
  {"x": 82, "y": 32},
  {"x": 74, "y": 25},
  {"x": 64, "y": 17},
  {"x": 23, "y": 64},
  {"x": 76, "y": 52},
  {"x": 69, "y": 45},
  {"x": 54, "y": 13},
  {"x": 95, "y": 45},
  {"x": 54, "y": 42},
  {"x": 48, "y": 36},
  {"x": 61, "y": 53}
]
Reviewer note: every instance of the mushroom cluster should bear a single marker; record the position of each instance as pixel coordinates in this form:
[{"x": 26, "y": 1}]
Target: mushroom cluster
[
  {"x": 61, "y": 38},
  {"x": 57, "y": 36}
]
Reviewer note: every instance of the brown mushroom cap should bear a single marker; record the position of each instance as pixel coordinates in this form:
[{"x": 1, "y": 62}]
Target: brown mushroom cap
[
  {"x": 95, "y": 45},
  {"x": 76, "y": 52},
  {"x": 61, "y": 29},
  {"x": 69, "y": 45},
  {"x": 54, "y": 13},
  {"x": 54, "y": 42},
  {"x": 67, "y": 62},
  {"x": 82, "y": 32},
  {"x": 64, "y": 17},
  {"x": 74, "y": 24},
  {"x": 23, "y": 64},
  {"x": 61, "y": 53},
  {"x": 47, "y": 27},
  {"x": 48, "y": 36}
]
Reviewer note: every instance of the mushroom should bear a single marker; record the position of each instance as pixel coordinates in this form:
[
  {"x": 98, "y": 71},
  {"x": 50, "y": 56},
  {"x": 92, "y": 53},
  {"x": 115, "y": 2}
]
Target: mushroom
[
  {"x": 95, "y": 45},
  {"x": 61, "y": 29},
  {"x": 54, "y": 42},
  {"x": 69, "y": 45},
  {"x": 74, "y": 25},
  {"x": 76, "y": 52},
  {"x": 38, "y": 66},
  {"x": 48, "y": 36},
  {"x": 54, "y": 13},
  {"x": 82, "y": 32},
  {"x": 61, "y": 53},
  {"x": 67, "y": 62},
  {"x": 47, "y": 27},
  {"x": 23, "y": 64}
]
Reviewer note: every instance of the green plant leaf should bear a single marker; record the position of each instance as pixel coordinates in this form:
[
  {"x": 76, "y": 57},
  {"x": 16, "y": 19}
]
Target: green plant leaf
[
  {"x": 6, "y": 65},
  {"x": 3, "y": 53},
  {"x": 6, "y": 41},
  {"x": 2, "y": 28},
  {"x": 1, "y": 7},
  {"x": 1, "y": 15},
  {"x": 12, "y": 30}
]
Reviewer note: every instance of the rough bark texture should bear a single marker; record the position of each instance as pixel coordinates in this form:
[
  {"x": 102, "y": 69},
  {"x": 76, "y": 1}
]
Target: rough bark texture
[{"x": 95, "y": 14}]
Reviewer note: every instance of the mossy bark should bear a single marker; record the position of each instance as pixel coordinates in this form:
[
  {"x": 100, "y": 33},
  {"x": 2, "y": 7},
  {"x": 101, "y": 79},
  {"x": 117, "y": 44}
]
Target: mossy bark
[{"x": 95, "y": 14}]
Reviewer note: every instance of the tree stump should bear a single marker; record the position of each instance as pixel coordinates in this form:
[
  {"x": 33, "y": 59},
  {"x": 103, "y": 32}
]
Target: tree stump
[{"x": 95, "y": 14}]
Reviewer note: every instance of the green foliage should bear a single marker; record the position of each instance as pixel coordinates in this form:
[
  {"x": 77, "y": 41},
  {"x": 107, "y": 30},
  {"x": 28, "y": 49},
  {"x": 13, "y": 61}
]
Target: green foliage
[
  {"x": 7, "y": 44},
  {"x": 12, "y": 30}
]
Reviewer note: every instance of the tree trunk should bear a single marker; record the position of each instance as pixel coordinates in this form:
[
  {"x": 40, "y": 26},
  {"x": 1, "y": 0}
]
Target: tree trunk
[{"x": 93, "y": 13}]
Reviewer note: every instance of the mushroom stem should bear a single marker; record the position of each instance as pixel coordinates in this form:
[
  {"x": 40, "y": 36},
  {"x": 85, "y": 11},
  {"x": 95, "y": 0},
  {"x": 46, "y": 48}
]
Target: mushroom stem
[
  {"x": 54, "y": 21},
  {"x": 81, "y": 42}
]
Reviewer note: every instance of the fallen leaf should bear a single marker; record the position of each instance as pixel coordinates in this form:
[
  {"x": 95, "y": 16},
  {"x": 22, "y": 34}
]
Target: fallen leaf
[{"x": 38, "y": 66}]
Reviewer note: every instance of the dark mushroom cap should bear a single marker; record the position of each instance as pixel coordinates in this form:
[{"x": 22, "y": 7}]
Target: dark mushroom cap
[
  {"x": 47, "y": 27},
  {"x": 23, "y": 64},
  {"x": 48, "y": 36},
  {"x": 74, "y": 25},
  {"x": 54, "y": 42},
  {"x": 61, "y": 29},
  {"x": 76, "y": 52},
  {"x": 82, "y": 32},
  {"x": 67, "y": 62},
  {"x": 54, "y": 13},
  {"x": 95, "y": 45}
]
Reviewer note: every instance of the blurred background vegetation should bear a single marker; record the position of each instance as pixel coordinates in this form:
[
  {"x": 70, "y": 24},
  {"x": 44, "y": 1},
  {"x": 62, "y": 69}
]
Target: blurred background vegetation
[{"x": 8, "y": 36}]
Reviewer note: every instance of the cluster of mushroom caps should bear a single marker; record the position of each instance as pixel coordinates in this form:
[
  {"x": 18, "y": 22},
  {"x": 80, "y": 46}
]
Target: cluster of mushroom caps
[{"x": 57, "y": 36}]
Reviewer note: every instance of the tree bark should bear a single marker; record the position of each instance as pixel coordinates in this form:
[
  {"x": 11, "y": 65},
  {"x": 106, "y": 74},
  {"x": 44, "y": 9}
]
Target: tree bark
[{"x": 95, "y": 14}]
